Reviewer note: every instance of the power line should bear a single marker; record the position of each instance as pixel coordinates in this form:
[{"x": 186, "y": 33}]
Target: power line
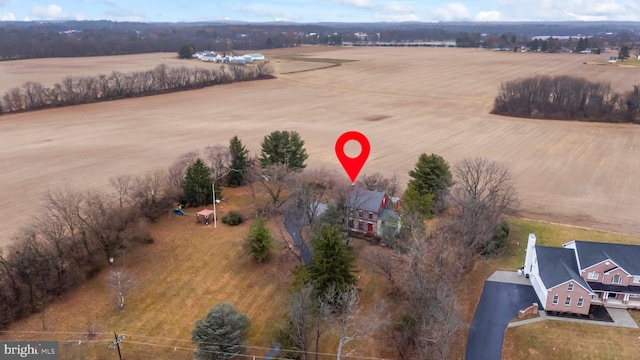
[{"x": 129, "y": 335}]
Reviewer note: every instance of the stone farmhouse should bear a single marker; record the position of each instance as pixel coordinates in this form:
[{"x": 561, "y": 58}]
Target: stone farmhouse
[{"x": 371, "y": 212}]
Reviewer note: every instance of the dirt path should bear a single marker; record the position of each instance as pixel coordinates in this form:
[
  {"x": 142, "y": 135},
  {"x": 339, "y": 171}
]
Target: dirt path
[{"x": 425, "y": 100}]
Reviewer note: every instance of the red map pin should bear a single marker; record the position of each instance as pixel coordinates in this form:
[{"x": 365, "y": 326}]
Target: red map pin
[{"x": 353, "y": 165}]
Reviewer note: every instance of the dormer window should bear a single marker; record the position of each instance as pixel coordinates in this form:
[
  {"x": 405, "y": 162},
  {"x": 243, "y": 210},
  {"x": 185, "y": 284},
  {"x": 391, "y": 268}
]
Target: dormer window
[{"x": 616, "y": 279}]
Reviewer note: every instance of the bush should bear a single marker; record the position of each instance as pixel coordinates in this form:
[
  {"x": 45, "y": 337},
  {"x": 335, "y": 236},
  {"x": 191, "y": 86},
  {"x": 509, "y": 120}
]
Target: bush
[
  {"x": 260, "y": 242},
  {"x": 233, "y": 218},
  {"x": 498, "y": 241}
]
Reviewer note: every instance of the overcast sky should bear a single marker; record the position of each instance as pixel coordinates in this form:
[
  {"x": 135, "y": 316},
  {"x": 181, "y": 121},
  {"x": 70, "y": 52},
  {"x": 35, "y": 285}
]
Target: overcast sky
[{"x": 321, "y": 10}]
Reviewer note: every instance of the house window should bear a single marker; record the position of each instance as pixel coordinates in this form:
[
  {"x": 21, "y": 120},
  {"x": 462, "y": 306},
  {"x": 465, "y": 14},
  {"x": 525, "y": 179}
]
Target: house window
[
  {"x": 360, "y": 225},
  {"x": 580, "y": 301},
  {"x": 570, "y": 287},
  {"x": 567, "y": 301},
  {"x": 636, "y": 279},
  {"x": 635, "y": 295},
  {"x": 370, "y": 215},
  {"x": 351, "y": 223},
  {"x": 351, "y": 211},
  {"x": 593, "y": 275},
  {"x": 555, "y": 299},
  {"x": 616, "y": 279},
  {"x": 360, "y": 213}
]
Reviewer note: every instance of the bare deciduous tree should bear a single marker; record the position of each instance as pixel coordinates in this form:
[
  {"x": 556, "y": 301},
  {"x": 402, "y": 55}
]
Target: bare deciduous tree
[
  {"x": 377, "y": 182},
  {"x": 483, "y": 193},
  {"x": 122, "y": 185},
  {"x": 120, "y": 282},
  {"x": 271, "y": 181},
  {"x": 178, "y": 170},
  {"x": 342, "y": 305},
  {"x": 219, "y": 159}
]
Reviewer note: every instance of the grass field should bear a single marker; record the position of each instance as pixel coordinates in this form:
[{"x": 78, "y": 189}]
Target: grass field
[
  {"x": 424, "y": 100},
  {"x": 189, "y": 269}
]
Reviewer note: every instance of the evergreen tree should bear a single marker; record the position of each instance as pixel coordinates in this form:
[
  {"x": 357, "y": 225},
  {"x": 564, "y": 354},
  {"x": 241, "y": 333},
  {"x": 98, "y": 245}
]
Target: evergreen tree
[
  {"x": 431, "y": 175},
  {"x": 333, "y": 264},
  {"x": 239, "y": 162},
  {"x": 413, "y": 200},
  {"x": 283, "y": 147},
  {"x": 623, "y": 53},
  {"x": 186, "y": 52},
  {"x": 221, "y": 334},
  {"x": 197, "y": 184},
  {"x": 260, "y": 241}
]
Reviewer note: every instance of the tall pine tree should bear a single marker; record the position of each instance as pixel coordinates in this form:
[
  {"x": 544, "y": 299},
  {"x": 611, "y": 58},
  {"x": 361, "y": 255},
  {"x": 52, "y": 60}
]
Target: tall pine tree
[
  {"x": 197, "y": 184},
  {"x": 239, "y": 162},
  {"x": 333, "y": 264},
  {"x": 285, "y": 148},
  {"x": 431, "y": 176}
]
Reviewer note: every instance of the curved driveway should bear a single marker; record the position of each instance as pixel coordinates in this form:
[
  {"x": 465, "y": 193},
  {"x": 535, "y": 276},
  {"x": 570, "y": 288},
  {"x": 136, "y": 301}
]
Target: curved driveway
[{"x": 499, "y": 303}]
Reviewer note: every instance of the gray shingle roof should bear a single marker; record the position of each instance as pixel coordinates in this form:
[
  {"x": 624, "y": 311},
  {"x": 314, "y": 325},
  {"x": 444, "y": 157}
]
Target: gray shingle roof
[
  {"x": 388, "y": 214},
  {"x": 558, "y": 265},
  {"x": 365, "y": 200},
  {"x": 625, "y": 256}
]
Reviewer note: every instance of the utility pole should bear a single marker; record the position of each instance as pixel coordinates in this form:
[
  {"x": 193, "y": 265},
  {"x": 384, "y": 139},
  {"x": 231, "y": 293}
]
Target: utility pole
[
  {"x": 116, "y": 343},
  {"x": 215, "y": 216}
]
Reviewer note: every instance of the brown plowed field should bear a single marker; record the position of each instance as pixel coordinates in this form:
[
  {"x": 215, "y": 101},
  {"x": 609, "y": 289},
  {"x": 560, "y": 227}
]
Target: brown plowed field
[{"x": 424, "y": 100}]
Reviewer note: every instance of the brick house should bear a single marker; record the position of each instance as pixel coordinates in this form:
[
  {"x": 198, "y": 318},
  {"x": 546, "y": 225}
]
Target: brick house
[
  {"x": 370, "y": 212},
  {"x": 583, "y": 273}
]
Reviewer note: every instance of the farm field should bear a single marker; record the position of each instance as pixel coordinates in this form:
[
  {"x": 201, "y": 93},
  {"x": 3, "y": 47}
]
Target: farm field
[{"x": 420, "y": 100}]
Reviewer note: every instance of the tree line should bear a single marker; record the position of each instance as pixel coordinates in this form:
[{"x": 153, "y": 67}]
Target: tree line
[
  {"x": 118, "y": 85},
  {"x": 74, "y": 236},
  {"x": 566, "y": 97}
]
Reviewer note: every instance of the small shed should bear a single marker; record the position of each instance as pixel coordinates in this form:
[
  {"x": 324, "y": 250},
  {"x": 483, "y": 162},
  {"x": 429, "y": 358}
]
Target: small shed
[{"x": 204, "y": 216}]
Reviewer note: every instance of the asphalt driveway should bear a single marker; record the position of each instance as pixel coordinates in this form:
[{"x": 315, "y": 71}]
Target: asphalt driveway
[{"x": 499, "y": 303}]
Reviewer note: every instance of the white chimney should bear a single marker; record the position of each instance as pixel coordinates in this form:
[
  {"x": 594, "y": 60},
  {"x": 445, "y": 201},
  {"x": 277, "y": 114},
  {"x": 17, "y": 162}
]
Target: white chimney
[{"x": 531, "y": 253}]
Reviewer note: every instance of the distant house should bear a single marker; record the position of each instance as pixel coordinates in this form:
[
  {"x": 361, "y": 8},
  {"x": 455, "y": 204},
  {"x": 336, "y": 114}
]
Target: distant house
[
  {"x": 370, "y": 212},
  {"x": 255, "y": 57},
  {"x": 583, "y": 273}
]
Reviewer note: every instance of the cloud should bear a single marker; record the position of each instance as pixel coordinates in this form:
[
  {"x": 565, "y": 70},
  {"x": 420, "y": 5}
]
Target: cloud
[
  {"x": 396, "y": 12},
  {"x": 8, "y": 16},
  {"x": 266, "y": 13},
  {"x": 53, "y": 12},
  {"x": 368, "y": 4},
  {"x": 125, "y": 15},
  {"x": 584, "y": 10},
  {"x": 396, "y": 17},
  {"x": 110, "y": 3},
  {"x": 491, "y": 15},
  {"x": 399, "y": 8},
  {"x": 450, "y": 12}
]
